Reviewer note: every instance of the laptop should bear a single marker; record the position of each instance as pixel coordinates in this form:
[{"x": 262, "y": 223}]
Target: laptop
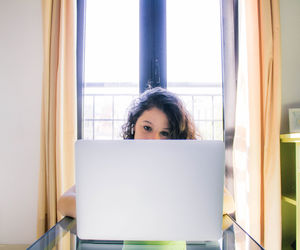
[{"x": 149, "y": 190}]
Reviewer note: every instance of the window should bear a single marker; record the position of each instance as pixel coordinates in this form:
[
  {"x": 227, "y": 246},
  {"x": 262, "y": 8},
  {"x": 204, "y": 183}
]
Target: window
[
  {"x": 126, "y": 45},
  {"x": 194, "y": 68}
]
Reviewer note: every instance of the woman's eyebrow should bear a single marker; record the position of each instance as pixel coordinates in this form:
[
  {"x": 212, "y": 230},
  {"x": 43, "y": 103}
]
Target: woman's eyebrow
[{"x": 151, "y": 124}]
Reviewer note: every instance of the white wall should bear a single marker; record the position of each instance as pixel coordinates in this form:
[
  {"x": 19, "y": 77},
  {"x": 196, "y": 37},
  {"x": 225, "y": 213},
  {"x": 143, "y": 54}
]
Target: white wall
[
  {"x": 20, "y": 107},
  {"x": 290, "y": 48}
]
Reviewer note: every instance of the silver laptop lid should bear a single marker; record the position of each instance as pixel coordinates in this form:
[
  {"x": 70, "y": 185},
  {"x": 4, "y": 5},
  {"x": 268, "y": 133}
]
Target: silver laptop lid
[{"x": 149, "y": 189}]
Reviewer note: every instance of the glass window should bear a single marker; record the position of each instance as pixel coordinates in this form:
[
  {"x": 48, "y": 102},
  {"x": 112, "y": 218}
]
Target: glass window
[
  {"x": 194, "y": 68},
  {"x": 113, "y": 31},
  {"x": 111, "y": 65}
]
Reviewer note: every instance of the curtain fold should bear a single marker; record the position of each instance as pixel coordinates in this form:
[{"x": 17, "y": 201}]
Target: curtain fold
[
  {"x": 258, "y": 111},
  {"x": 58, "y": 122}
]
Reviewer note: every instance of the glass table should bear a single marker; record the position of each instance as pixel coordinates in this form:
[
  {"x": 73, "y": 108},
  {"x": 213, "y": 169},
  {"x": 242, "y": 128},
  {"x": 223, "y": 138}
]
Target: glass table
[{"x": 63, "y": 236}]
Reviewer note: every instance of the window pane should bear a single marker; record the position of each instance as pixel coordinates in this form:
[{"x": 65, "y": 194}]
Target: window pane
[
  {"x": 194, "y": 61},
  {"x": 111, "y": 65},
  {"x": 88, "y": 131},
  {"x": 203, "y": 108},
  {"x": 194, "y": 41},
  {"x": 102, "y": 130},
  {"x": 205, "y": 129},
  {"x": 188, "y": 103},
  {"x": 218, "y": 130},
  {"x": 121, "y": 105},
  {"x": 112, "y": 41},
  {"x": 218, "y": 108},
  {"x": 88, "y": 105},
  {"x": 103, "y": 107},
  {"x": 118, "y": 129}
]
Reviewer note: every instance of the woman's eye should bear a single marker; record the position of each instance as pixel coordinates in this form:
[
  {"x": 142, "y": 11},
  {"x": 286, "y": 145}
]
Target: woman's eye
[
  {"x": 165, "y": 134},
  {"x": 147, "y": 128}
]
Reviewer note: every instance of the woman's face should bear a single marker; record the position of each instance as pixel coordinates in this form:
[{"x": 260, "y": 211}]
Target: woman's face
[{"x": 152, "y": 124}]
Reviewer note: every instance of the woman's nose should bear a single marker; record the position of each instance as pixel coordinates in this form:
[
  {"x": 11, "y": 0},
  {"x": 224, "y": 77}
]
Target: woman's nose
[{"x": 155, "y": 136}]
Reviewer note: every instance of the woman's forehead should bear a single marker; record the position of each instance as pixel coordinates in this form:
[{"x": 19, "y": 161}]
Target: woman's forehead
[{"x": 155, "y": 116}]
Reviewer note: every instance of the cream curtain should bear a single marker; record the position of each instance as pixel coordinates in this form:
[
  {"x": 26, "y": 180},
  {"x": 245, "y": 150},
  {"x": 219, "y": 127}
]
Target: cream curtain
[
  {"x": 256, "y": 142},
  {"x": 58, "y": 123}
]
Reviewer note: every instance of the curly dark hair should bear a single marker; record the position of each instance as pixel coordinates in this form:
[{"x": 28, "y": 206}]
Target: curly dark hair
[{"x": 181, "y": 124}]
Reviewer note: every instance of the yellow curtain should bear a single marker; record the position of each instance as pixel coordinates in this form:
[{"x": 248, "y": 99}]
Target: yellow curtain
[
  {"x": 58, "y": 122},
  {"x": 258, "y": 111}
]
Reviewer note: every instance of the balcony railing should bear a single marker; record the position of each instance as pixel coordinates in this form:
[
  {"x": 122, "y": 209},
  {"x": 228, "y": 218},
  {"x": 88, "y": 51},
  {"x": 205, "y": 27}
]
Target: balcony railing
[{"x": 106, "y": 104}]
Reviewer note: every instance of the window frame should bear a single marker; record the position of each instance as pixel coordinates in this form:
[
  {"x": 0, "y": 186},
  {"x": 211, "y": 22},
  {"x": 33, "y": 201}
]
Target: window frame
[
  {"x": 80, "y": 52},
  {"x": 152, "y": 57},
  {"x": 153, "y": 48}
]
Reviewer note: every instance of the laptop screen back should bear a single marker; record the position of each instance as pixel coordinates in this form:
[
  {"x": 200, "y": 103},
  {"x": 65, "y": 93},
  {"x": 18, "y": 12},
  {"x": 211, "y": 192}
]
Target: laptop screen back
[{"x": 149, "y": 190}]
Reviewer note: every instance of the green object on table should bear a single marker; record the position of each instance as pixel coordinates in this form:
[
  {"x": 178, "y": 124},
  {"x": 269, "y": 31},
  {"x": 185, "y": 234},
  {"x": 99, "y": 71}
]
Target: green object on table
[{"x": 157, "y": 245}]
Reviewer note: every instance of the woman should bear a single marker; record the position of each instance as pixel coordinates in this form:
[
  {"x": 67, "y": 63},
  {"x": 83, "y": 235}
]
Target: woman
[{"x": 156, "y": 114}]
